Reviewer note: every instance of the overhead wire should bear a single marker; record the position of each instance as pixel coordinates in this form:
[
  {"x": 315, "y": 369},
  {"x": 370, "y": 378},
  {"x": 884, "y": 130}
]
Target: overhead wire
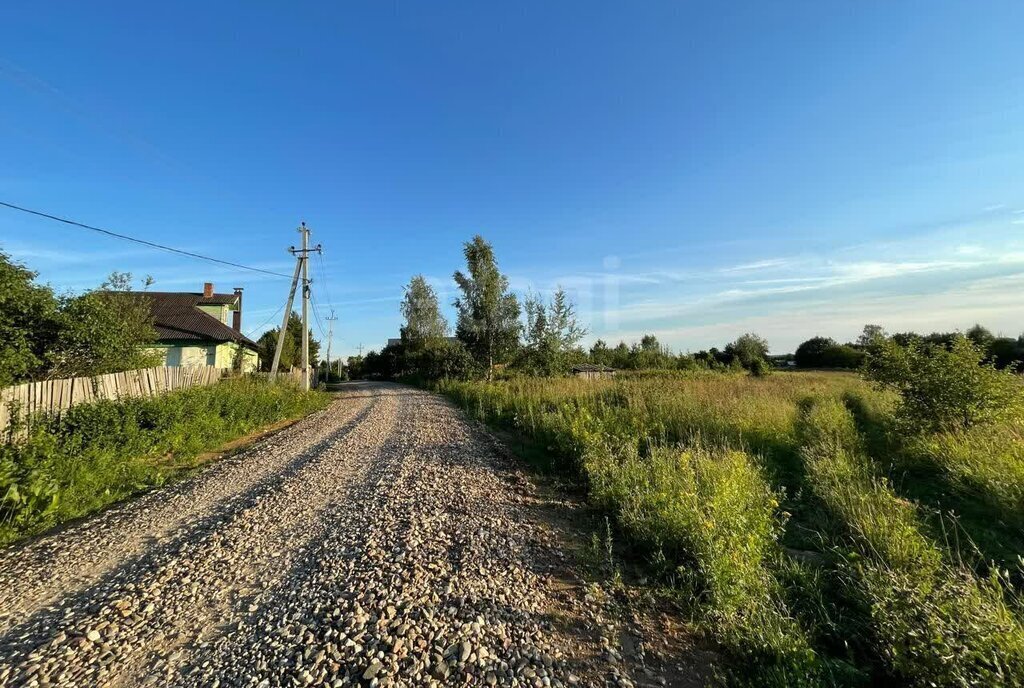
[
  {"x": 316, "y": 313},
  {"x": 252, "y": 330},
  {"x": 191, "y": 254},
  {"x": 144, "y": 242},
  {"x": 323, "y": 276}
]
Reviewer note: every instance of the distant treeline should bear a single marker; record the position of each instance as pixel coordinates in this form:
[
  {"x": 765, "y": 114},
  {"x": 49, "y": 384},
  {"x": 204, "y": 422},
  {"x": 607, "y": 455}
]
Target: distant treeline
[
  {"x": 495, "y": 334},
  {"x": 824, "y": 352}
]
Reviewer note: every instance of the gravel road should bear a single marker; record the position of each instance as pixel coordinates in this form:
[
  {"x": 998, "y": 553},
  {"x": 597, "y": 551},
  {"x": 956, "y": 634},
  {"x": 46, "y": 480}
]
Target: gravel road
[{"x": 384, "y": 541}]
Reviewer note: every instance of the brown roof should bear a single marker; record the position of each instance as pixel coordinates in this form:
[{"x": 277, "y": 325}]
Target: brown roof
[
  {"x": 176, "y": 316},
  {"x": 591, "y": 368}
]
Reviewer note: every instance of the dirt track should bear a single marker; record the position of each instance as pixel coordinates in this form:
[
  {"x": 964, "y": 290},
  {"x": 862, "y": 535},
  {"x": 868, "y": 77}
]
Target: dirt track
[{"x": 384, "y": 541}]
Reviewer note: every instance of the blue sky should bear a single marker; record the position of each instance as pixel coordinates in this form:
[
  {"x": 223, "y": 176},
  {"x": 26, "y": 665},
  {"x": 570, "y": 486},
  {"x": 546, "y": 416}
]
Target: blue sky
[{"x": 687, "y": 169}]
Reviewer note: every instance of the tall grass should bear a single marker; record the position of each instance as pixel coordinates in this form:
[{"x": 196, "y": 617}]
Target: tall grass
[
  {"x": 760, "y": 498},
  {"x": 985, "y": 461},
  {"x": 932, "y": 622},
  {"x": 96, "y": 454}
]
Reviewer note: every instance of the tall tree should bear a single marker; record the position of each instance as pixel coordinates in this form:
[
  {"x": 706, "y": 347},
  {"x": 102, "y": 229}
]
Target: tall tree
[
  {"x": 291, "y": 350},
  {"x": 488, "y": 313},
  {"x": 871, "y": 336},
  {"x": 423, "y": 319},
  {"x": 552, "y": 333},
  {"x": 28, "y": 322},
  {"x": 562, "y": 321}
]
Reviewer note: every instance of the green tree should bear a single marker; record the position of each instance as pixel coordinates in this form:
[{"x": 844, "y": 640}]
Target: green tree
[
  {"x": 488, "y": 321},
  {"x": 563, "y": 323},
  {"x": 423, "y": 319},
  {"x": 105, "y": 330},
  {"x": 981, "y": 336},
  {"x": 946, "y": 388},
  {"x": 621, "y": 356},
  {"x": 600, "y": 354},
  {"x": 552, "y": 334},
  {"x": 747, "y": 349},
  {"x": 28, "y": 323},
  {"x": 814, "y": 352},
  {"x": 871, "y": 335},
  {"x": 1005, "y": 351},
  {"x": 650, "y": 344},
  {"x": 291, "y": 351}
]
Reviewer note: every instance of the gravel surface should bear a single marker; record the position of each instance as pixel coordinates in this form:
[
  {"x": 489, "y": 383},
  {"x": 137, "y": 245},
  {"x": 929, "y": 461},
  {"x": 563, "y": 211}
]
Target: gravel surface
[{"x": 382, "y": 542}]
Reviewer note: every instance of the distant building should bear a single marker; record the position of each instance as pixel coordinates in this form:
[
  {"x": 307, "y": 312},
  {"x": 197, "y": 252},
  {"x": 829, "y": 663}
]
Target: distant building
[
  {"x": 192, "y": 328},
  {"x": 591, "y": 371}
]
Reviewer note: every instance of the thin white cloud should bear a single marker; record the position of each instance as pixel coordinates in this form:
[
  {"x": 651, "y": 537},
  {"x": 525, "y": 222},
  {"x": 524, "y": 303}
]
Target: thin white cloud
[
  {"x": 992, "y": 301},
  {"x": 759, "y": 265}
]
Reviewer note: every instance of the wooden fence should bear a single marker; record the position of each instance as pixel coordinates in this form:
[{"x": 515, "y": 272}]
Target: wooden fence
[
  {"x": 294, "y": 375},
  {"x": 53, "y": 396}
]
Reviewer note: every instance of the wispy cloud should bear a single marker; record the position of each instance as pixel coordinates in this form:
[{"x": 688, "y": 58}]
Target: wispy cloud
[{"x": 759, "y": 265}]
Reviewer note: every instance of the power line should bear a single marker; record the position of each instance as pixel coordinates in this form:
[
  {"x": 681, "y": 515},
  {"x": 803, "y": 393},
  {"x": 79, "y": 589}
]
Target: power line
[
  {"x": 316, "y": 314},
  {"x": 252, "y": 330},
  {"x": 161, "y": 247},
  {"x": 323, "y": 276}
]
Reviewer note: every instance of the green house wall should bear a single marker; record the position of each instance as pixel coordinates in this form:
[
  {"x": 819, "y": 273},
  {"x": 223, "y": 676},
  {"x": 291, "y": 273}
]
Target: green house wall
[{"x": 191, "y": 354}]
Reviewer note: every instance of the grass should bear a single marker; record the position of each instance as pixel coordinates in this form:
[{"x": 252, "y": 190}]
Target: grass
[
  {"x": 97, "y": 454},
  {"x": 767, "y": 504},
  {"x": 929, "y": 620}
]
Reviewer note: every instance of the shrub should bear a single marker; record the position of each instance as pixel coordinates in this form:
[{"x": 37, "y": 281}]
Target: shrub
[
  {"x": 759, "y": 367},
  {"x": 945, "y": 388}
]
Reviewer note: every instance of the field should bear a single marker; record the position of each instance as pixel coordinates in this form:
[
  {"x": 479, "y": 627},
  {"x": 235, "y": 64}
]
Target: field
[{"x": 813, "y": 541}]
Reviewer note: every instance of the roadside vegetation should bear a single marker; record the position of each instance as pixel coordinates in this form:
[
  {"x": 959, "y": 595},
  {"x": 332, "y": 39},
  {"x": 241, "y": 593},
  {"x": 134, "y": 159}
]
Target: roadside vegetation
[
  {"x": 96, "y": 454},
  {"x": 46, "y": 336},
  {"x": 781, "y": 510}
]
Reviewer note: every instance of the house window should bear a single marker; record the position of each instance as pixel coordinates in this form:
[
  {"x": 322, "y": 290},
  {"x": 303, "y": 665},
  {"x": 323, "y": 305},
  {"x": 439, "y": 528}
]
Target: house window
[{"x": 173, "y": 356}]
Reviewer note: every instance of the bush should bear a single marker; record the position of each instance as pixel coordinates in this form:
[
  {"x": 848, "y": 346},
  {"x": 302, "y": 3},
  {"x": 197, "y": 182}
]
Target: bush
[
  {"x": 96, "y": 454},
  {"x": 759, "y": 367},
  {"x": 420, "y": 362},
  {"x": 945, "y": 388},
  {"x": 823, "y": 352}
]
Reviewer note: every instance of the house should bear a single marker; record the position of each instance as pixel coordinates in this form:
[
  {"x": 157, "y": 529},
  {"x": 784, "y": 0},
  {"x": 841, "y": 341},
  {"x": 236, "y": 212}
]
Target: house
[
  {"x": 591, "y": 371},
  {"x": 193, "y": 328}
]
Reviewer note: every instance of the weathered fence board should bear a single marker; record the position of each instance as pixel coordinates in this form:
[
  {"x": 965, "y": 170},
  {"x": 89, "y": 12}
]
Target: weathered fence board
[{"x": 54, "y": 396}]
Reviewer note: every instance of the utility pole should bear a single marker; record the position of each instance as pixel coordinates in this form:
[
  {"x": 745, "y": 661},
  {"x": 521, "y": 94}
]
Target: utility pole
[
  {"x": 360, "y": 347},
  {"x": 330, "y": 339},
  {"x": 301, "y": 268}
]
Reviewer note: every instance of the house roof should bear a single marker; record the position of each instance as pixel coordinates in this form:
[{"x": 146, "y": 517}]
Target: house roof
[
  {"x": 591, "y": 368},
  {"x": 176, "y": 316}
]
